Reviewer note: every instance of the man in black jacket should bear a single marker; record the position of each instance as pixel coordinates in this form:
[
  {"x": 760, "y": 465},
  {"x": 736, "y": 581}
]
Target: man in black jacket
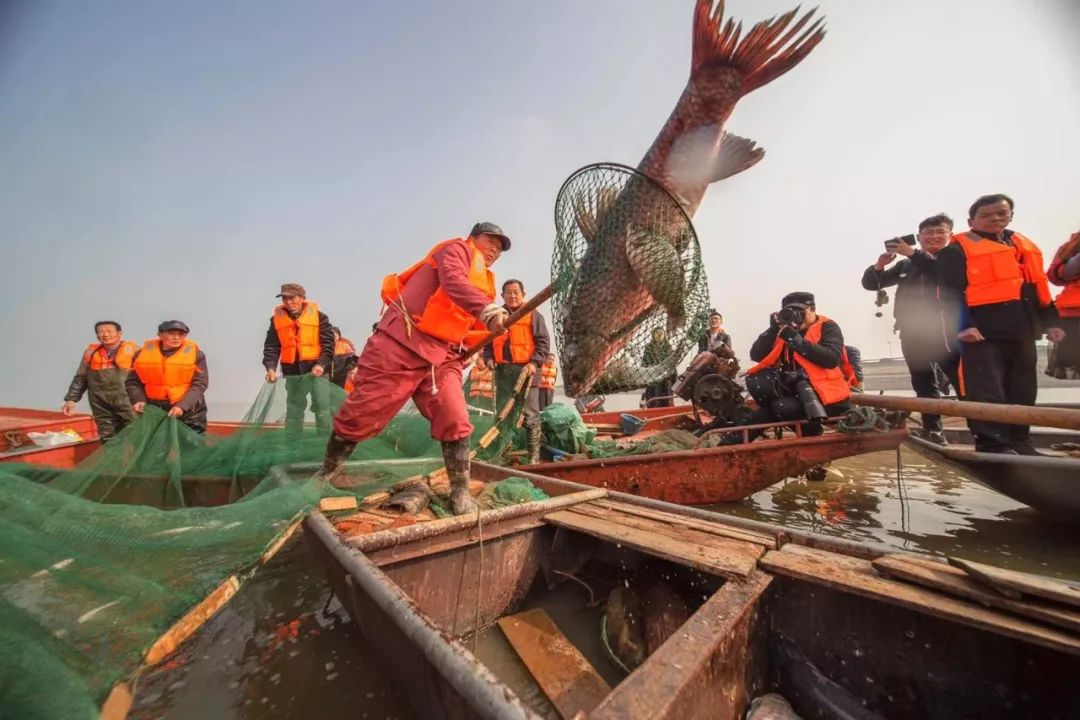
[
  {"x": 996, "y": 279},
  {"x": 715, "y": 333},
  {"x": 302, "y": 339},
  {"x": 798, "y": 372},
  {"x": 924, "y": 341}
]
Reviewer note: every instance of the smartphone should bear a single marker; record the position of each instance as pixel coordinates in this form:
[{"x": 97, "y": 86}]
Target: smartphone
[{"x": 890, "y": 245}]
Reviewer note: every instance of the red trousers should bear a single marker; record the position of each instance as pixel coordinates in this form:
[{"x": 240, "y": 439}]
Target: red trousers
[{"x": 389, "y": 374}]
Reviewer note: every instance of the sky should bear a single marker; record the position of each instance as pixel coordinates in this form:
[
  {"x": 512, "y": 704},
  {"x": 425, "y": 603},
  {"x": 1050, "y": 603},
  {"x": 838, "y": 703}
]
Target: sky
[{"x": 165, "y": 160}]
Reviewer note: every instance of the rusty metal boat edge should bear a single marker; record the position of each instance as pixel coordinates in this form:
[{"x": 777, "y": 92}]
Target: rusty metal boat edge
[{"x": 808, "y": 606}]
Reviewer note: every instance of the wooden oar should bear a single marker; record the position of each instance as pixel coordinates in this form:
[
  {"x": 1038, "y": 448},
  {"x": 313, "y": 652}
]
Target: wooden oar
[
  {"x": 534, "y": 302},
  {"x": 989, "y": 412}
]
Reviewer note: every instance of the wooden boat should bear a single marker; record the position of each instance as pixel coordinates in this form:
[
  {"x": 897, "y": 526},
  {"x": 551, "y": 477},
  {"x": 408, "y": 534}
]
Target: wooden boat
[
  {"x": 720, "y": 474},
  {"x": 1050, "y": 484},
  {"x": 822, "y": 621}
]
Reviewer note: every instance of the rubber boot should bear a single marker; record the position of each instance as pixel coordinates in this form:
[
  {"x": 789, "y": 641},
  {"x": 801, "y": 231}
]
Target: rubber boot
[
  {"x": 338, "y": 450},
  {"x": 533, "y": 442},
  {"x": 456, "y": 455}
]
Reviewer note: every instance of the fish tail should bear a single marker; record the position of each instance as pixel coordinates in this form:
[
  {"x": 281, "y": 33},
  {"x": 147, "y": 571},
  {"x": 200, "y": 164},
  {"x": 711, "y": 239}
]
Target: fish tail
[{"x": 769, "y": 50}]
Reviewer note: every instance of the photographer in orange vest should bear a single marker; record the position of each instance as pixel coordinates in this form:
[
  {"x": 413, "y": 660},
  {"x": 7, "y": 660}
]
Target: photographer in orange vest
[
  {"x": 997, "y": 287},
  {"x": 434, "y": 311},
  {"x": 798, "y": 373},
  {"x": 101, "y": 375},
  {"x": 170, "y": 373},
  {"x": 524, "y": 346},
  {"x": 302, "y": 338},
  {"x": 1065, "y": 270}
]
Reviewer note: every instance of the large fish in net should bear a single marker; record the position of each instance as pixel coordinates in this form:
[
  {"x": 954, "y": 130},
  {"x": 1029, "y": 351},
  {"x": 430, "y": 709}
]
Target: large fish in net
[{"x": 629, "y": 293}]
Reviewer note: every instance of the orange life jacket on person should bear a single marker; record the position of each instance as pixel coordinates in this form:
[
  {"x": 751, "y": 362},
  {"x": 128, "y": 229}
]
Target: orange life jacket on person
[
  {"x": 522, "y": 342},
  {"x": 299, "y": 336},
  {"x": 344, "y": 347},
  {"x": 996, "y": 272},
  {"x": 849, "y": 370},
  {"x": 441, "y": 317},
  {"x": 548, "y": 373},
  {"x": 480, "y": 383},
  {"x": 166, "y": 378},
  {"x": 97, "y": 357},
  {"x": 1068, "y": 301},
  {"x": 828, "y": 383}
]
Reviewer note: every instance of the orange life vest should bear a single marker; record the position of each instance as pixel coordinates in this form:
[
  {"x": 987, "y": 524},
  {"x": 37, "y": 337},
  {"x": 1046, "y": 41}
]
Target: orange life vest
[
  {"x": 441, "y": 317},
  {"x": 996, "y": 272},
  {"x": 97, "y": 357},
  {"x": 1068, "y": 301},
  {"x": 299, "y": 337},
  {"x": 166, "y": 378},
  {"x": 480, "y": 383},
  {"x": 344, "y": 347},
  {"x": 522, "y": 343},
  {"x": 828, "y": 383},
  {"x": 548, "y": 373}
]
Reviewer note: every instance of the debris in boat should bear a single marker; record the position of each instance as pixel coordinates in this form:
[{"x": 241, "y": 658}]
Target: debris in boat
[
  {"x": 412, "y": 499},
  {"x": 622, "y": 631},
  {"x": 771, "y": 707}
]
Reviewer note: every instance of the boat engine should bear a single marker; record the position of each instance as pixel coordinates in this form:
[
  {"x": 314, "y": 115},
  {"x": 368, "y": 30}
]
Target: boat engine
[{"x": 709, "y": 383}]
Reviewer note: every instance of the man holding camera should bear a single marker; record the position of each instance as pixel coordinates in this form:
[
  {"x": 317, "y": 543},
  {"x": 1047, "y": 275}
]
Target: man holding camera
[
  {"x": 924, "y": 342},
  {"x": 995, "y": 277},
  {"x": 798, "y": 372}
]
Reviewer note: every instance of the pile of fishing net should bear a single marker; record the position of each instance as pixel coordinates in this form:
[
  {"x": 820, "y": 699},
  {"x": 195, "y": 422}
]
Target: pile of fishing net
[
  {"x": 93, "y": 570},
  {"x": 630, "y": 298}
]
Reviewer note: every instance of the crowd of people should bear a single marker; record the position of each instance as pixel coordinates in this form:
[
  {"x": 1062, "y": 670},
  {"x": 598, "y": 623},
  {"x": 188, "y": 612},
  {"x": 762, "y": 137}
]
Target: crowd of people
[{"x": 969, "y": 305}]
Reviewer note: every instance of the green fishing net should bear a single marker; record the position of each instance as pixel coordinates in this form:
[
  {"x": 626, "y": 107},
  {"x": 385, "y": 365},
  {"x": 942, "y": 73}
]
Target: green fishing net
[
  {"x": 630, "y": 298},
  {"x": 97, "y": 562}
]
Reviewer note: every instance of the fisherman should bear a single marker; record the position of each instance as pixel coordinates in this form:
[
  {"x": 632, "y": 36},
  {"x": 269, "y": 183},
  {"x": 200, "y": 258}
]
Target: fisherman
[
  {"x": 714, "y": 333},
  {"x": 101, "y": 374},
  {"x": 656, "y": 352},
  {"x": 344, "y": 359},
  {"x": 1065, "y": 270},
  {"x": 434, "y": 310},
  {"x": 302, "y": 338},
  {"x": 524, "y": 348},
  {"x": 927, "y": 348},
  {"x": 170, "y": 373},
  {"x": 798, "y": 373},
  {"x": 994, "y": 277},
  {"x": 548, "y": 375}
]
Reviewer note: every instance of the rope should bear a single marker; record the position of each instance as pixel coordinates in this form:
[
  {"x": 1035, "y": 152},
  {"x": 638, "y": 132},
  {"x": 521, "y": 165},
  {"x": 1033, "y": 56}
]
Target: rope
[{"x": 864, "y": 419}]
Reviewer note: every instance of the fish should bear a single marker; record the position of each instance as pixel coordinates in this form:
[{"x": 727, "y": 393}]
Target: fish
[{"x": 632, "y": 270}]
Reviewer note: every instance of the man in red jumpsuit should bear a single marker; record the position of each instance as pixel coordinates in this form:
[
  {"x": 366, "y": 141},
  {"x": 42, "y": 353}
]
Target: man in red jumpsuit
[{"x": 435, "y": 310}]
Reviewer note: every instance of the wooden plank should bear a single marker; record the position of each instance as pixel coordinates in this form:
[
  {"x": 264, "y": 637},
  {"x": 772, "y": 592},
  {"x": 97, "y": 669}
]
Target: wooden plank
[
  {"x": 118, "y": 704},
  {"x": 451, "y": 541},
  {"x": 1014, "y": 584},
  {"x": 715, "y": 528},
  {"x": 956, "y": 582},
  {"x": 857, "y": 576},
  {"x": 736, "y": 560},
  {"x": 192, "y": 621},
  {"x": 561, "y": 671},
  {"x": 276, "y": 545},
  {"x": 675, "y": 532},
  {"x": 334, "y": 504}
]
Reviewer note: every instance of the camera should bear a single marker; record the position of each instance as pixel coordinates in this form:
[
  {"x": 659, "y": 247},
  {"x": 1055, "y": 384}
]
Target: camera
[{"x": 791, "y": 315}]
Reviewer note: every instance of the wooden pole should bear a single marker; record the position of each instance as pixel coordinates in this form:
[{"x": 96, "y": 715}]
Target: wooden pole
[
  {"x": 989, "y": 412},
  {"x": 534, "y": 302}
]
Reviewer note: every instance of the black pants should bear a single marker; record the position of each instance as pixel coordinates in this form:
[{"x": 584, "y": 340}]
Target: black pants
[
  {"x": 546, "y": 397},
  {"x": 1000, "y": 371},
  {"x": 921, "y": 356},
  {"x": 784, "y": 409},
  {"x": 194, "y": 418}
]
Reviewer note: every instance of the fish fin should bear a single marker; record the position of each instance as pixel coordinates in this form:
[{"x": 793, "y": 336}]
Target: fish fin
[
  {"x": 590, "y": 209},
  {"x": 767, "y": 51},
  {"x": 736, "y": 154},
  {"x": 656, "y": 262}
]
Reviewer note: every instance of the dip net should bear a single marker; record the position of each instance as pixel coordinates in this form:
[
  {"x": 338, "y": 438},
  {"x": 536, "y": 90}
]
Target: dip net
[
  {"x": 100, "y": 564},
  {"x": 630, "y": 297}
]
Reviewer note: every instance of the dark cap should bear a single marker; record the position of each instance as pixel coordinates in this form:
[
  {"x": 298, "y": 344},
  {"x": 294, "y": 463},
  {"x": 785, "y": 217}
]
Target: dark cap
[
  {"x": 173, "y": 325},
  {"x": 294, "y": 289},
  {"x": 490, "y": 228},
  {"x": 802, "y": 299}
]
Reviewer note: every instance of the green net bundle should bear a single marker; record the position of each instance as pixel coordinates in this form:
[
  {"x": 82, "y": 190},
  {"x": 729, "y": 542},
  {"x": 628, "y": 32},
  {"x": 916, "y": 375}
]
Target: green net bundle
[
  {"x": 630, "y": 297},
  {"x": 97, "y": 562}
]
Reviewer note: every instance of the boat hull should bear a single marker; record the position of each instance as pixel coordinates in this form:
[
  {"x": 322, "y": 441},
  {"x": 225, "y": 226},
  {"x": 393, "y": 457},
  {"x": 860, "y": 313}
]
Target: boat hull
[{"x": 720, "y": 474}]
